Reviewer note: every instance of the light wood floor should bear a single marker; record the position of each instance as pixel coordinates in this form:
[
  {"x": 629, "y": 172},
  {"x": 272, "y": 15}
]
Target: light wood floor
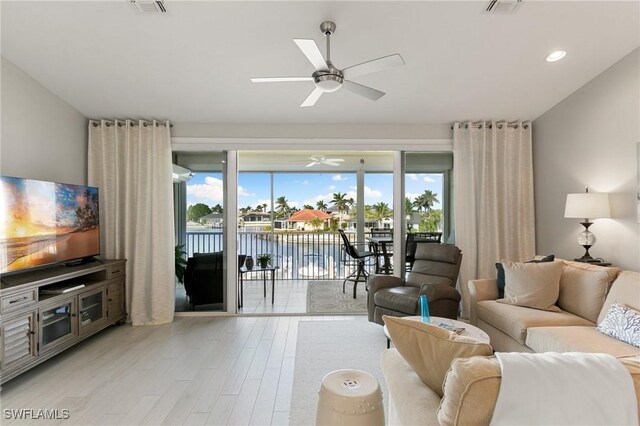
[
  {"x": 195, "y": 371},
  {"x": 290, "y": 297}
]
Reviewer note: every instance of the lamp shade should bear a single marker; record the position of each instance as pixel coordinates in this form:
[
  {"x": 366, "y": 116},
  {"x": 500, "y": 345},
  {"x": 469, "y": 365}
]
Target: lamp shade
[{"x": 587, "y": 205}]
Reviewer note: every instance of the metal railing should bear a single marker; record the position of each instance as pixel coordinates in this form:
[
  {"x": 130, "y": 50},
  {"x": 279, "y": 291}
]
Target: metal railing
[{"x": 298, "y": 255}]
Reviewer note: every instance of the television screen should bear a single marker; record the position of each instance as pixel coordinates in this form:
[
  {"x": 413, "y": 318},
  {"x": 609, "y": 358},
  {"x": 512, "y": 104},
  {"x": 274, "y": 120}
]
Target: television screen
[{"x": 46, "y": 222}]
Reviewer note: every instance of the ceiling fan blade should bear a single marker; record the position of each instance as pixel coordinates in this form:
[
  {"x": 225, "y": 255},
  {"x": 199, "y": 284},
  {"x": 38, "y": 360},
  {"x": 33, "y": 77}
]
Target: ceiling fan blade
[
  {"x": 311, "y": 51},
  {"x": 312, "y": 98},
  {"x": 374, "y": 65},
  {"x": 361, "y": 90},
  {"x": 279, "y": 79},
  {"x": 331, "y": 163},
  {"x": 335, "y": 160},
  {"x": 313, "y": 163}
]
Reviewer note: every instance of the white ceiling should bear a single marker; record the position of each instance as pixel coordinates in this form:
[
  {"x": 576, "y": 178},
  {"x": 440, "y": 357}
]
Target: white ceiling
[{"x": 193, "y": 64}]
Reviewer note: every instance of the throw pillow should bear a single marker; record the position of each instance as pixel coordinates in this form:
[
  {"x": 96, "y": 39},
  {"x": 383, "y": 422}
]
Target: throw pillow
[
  {"x": 500, "y": 272},
  {"x": 622, "y": 323},
  {"x": 430, "y": 349},
  {"x": 533, "y": 285}
]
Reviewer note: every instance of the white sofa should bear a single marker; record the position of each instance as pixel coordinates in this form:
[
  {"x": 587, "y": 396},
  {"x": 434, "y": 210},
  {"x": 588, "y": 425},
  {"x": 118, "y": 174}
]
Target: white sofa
[
  {"x": 470, "y": 391},
  {"x": 472, "y": 384},
  {"x": 586, "y": 292}
]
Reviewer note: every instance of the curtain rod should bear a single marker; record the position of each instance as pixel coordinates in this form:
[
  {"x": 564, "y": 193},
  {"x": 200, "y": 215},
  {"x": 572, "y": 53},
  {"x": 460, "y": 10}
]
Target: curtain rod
[
  {"x": 513, "y": 125},
  {"x": 120, "y": 123}
]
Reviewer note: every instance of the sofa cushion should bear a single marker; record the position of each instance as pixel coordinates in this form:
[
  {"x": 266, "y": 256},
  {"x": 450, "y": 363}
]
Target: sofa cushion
[
  {"x": 500, "y": 280},
  {"x": 576, "y": 339},
  {"x": 625, "y": 290},
  {"x": 470, "y": 391},
  {"x": 430, "y": 349},
  {"x": 515, "y": 320},
  {"x": 534, "y": 285},
  {"x": 622, "y": 323},
  {"x": 584, "y": 287},
  {"x": 401, "y": 299},
  {"x": 472, "y": 385},
  {"x": 408, "y": 398}
]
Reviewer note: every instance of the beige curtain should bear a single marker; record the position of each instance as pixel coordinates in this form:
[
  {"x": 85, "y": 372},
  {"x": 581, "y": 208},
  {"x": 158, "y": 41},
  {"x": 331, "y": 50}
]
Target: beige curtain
[
  {"x": 493, "y": 196},
  {"x": 130, "y": 162}
]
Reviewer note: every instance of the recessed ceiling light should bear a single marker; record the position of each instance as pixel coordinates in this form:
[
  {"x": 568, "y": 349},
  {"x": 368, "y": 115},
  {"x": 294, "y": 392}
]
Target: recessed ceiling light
[{"x": 556, "y": 56}]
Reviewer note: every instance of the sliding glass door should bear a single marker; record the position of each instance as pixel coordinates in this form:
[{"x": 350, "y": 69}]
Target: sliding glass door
[{"x": 199, "y": 194}]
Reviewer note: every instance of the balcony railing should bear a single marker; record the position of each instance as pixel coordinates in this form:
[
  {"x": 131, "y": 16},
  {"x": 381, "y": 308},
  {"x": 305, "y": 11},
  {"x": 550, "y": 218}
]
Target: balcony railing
[{"x": 299, "y": 255}]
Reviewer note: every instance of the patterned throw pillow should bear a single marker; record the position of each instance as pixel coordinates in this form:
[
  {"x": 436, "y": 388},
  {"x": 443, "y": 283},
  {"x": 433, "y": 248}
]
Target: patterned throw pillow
[{"x": 622, "y": 323}]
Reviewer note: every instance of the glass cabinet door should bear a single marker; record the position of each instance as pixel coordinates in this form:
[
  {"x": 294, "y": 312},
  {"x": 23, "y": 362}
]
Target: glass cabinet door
[
  {"x": 92, "y": 310},
  {"x": 58, "y": 323}
]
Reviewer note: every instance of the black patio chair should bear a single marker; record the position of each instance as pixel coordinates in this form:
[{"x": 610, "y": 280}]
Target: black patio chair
[{"x": 360, "y": 257}]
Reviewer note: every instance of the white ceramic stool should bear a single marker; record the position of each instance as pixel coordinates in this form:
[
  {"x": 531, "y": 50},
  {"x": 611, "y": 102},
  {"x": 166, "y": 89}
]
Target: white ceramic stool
[{"x": 350, "y": 397}]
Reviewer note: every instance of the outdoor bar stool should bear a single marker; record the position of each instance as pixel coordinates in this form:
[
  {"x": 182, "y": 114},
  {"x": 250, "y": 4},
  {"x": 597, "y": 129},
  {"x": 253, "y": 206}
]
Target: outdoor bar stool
[
  {"x": 350, "y": 397},
  {"x": 360, "y": 274}
]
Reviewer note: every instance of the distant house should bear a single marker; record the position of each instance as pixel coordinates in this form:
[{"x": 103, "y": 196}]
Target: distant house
[
  {"x": 214, "y": 220},
  {"x": 301, "y": 220},
  {"x": 340, "y": 215},
  {"x": 254, "y": 221}
]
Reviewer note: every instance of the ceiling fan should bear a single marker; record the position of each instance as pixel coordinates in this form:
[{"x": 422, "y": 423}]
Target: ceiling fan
[
  {"x": 321, "y": 159},
  {"x": 327, "y": 77}
]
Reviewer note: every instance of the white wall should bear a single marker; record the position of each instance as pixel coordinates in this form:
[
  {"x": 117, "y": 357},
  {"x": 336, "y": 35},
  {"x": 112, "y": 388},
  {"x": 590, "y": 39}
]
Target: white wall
[
  {"x": 589, "y": 139},
  {"x": 42, "y": 136},
  {"x": 311, "y": 131}
]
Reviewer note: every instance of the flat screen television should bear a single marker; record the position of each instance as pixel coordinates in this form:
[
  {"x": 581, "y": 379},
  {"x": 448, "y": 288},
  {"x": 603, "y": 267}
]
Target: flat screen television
[{"x": 45, "y": 223}]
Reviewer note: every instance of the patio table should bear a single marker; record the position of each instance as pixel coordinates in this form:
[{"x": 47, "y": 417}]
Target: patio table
[{"x": 264, "y": 272}]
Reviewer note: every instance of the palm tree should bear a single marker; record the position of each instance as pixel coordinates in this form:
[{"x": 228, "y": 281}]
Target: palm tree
[
  {"x": 426, "y": 200},
  {"x": 380, "y": 212},
  {"x": 282, "y": 207},
  {"x": 408, "y": 206},
  {"x": 216, "y": 209},
  {"x": 341, "y": 203},
  {"x": 321, "y": 205},
  {"x": 308, "y": 207}
]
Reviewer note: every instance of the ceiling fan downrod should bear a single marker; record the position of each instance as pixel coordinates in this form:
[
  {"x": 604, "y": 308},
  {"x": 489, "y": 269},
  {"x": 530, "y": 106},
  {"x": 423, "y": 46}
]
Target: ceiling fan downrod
[
  {"x": 328, "y": 28},
  {"x": 331, "y": 79}
]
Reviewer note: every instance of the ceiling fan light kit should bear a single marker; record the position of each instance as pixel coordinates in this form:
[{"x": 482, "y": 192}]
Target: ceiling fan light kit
[{"x": 327, "y": 77}]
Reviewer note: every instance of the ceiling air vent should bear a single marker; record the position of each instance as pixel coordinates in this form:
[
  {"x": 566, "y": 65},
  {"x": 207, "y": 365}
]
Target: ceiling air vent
[
  {"x": 149, "y": 6},
  {"x": 504, "y": 6}
]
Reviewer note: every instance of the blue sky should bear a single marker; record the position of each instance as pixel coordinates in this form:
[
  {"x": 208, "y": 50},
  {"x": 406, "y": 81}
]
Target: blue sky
[{"x": 307, "y": 188}]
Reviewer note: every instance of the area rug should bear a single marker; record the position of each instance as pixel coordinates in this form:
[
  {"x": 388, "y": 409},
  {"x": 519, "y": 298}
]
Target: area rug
[
  {"x": 325, "y": 346},
  {"x": 326, "y": 297}
]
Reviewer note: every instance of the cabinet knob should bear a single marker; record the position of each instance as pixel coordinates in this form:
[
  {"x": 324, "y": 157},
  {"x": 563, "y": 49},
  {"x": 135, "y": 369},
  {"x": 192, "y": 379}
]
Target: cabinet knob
[
  {"x": 110, "y": 300},
  {"x": 32, "y": 332},
  {"x": 74, "y": 315}
]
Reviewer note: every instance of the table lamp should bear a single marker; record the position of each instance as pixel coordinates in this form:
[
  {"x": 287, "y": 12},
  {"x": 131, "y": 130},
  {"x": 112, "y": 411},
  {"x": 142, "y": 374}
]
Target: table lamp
[{"x": 587, "y": 206}]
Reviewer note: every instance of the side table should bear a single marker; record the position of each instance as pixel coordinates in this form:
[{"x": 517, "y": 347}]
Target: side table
[{"x": 264, "y": 272}]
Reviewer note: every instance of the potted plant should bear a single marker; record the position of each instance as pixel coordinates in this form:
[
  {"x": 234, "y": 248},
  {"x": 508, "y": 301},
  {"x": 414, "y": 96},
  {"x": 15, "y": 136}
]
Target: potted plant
[
  {"x": 181, "y": 263},
  {"x": 264, "y": 260}
]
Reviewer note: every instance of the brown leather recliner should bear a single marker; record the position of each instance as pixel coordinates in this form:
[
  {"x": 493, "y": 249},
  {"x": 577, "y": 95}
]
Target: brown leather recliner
[{"x": 434, "y": 274}]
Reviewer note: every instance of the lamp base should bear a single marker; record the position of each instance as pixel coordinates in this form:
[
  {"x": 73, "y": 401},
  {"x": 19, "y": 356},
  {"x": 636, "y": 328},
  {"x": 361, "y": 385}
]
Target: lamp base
[{"x": 586, "y": 257}]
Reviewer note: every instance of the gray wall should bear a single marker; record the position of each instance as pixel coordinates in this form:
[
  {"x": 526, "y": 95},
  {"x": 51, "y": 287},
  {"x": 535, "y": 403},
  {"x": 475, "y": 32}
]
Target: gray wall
[
  {"x": 590, "y": 139},
  {"x": 42, "y": 136}
]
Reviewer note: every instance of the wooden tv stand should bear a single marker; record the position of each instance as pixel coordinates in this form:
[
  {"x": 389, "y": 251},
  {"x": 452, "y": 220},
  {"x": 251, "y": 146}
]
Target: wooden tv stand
[{"x": 46, "y": 311}]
